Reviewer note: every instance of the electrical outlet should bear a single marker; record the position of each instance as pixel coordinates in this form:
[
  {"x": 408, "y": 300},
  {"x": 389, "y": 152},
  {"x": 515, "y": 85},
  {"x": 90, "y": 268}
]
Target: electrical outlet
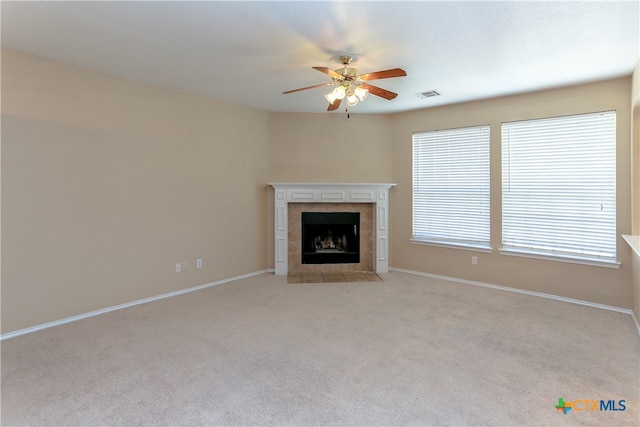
[
  {"x": 199, "y": 263},
  {"x": 184, "y": 266},
  {"x": 179, "y": 267},
  {"x": 474, "y": 260}
]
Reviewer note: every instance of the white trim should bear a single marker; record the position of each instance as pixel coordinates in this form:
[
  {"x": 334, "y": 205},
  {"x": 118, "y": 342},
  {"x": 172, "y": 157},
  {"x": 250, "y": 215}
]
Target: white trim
[
  {"x": 523, "y": 291},
  {"x": 125, "y": 305},
  {"x": 525, "y": 253},
  {"x": 633, "y": 241},
  {"x": 271, "y": 270},
  {"x": 286, "y": 193},
  {"x": 635, "y": 320},
  {"x": 477, "y": 247}
]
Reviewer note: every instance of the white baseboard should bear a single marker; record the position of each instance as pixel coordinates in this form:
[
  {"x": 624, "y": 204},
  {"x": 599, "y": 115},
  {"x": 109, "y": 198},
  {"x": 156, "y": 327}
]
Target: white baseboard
[
  {"x": 271, "y": 270},
  {"x": 635, "y": 320},
  {"x": 125, "y": 305},
  {"x": 525, "y": 292}
]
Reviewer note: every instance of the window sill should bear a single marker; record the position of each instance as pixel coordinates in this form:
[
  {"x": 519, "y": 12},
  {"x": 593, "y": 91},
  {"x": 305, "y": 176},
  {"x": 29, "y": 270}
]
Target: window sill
[
  {"x": 569, "y": 259},
  {"x": 463, "y": 246},
  {"x": 633, "y": 241}
]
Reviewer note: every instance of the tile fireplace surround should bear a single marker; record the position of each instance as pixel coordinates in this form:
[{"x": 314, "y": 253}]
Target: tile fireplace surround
[{"x": 377, "y": 195}]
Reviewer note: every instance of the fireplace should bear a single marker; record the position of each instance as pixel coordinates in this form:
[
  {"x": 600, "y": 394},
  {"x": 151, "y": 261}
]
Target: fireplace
[
  {"x": 330, "y": 237},
  {"x": 371, "y": 201},
  {"x": 335, "y": 259}
]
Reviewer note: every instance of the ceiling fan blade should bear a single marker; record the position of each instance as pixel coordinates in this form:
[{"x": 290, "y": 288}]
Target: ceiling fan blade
[
  {"x": 329, "y": 71},
  {"x": 386, "y": 74},
  {"x": 335, "y": 105},
  {"x": 305, "y": 88},
  {"x": 383, "y": 93}
]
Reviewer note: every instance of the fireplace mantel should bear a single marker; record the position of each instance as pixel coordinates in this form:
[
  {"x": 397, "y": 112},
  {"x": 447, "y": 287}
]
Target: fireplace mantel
[{"x": 377, "y": 194}]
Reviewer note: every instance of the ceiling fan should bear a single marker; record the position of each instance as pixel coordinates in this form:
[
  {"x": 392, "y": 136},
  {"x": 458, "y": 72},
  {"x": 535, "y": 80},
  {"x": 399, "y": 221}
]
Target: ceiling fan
[{"x": 351, "y": 85}]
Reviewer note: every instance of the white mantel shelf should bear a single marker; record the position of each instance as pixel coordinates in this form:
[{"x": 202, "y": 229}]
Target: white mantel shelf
[{"x": 286, "y": 193}]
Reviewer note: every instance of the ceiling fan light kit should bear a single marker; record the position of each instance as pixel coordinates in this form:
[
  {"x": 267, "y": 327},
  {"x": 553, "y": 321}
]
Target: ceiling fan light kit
[{"x": 351, "y": 85}]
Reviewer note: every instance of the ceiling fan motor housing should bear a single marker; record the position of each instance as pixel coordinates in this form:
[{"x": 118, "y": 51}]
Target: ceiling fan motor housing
[{"x": 348, "y": 73}]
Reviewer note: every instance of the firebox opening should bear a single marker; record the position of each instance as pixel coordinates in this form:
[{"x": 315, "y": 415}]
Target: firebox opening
[{"x": 330, "y": 237}]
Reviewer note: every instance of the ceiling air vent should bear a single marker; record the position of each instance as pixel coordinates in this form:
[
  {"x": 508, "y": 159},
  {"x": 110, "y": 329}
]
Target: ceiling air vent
[{"x": 428, "y": 94}]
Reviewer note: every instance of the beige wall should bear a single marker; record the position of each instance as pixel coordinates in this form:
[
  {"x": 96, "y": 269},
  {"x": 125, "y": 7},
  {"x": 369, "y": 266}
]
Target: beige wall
[
  {"x": 589, "y": 283},
  {"x": 327, "y": 148},
  {"x": 636, "y": 286},
  {"x": 635, "y": 105},
  {"x": 107, "y": 183}
]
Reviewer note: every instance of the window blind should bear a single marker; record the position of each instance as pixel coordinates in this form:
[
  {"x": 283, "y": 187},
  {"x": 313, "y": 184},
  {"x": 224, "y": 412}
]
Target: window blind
[
  {"x": 559, "y": 185},
  {"x": 451, "y": 186}
]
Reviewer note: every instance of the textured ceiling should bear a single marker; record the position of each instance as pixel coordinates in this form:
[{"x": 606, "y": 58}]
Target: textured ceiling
[{"x": 248, "y": 53}]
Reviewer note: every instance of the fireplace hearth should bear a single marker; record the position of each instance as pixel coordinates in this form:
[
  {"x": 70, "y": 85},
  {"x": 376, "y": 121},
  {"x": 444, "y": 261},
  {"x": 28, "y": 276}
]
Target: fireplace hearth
[{"x": 330, "y": 237}]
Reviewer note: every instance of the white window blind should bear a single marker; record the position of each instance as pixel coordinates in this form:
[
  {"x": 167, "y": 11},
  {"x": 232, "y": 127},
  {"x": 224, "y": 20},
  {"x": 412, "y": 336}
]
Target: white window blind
[
  {"x": 559, "y": 185},
  {"x": 451, "y": 187}
]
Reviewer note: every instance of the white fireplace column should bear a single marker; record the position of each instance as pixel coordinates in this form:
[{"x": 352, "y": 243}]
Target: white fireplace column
[{"x": 378, "y": 194}]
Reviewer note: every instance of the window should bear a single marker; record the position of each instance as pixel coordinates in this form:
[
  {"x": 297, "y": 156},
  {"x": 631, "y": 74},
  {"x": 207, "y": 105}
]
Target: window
[
  {"x": 451, "y": 187},
  {"x": 558, "y": 187}
]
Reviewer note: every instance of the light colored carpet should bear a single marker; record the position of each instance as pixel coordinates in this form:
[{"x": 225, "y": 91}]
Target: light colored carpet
[
  {"x": 404, "y": 351},
  {"x": 317, "y": 277}
]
